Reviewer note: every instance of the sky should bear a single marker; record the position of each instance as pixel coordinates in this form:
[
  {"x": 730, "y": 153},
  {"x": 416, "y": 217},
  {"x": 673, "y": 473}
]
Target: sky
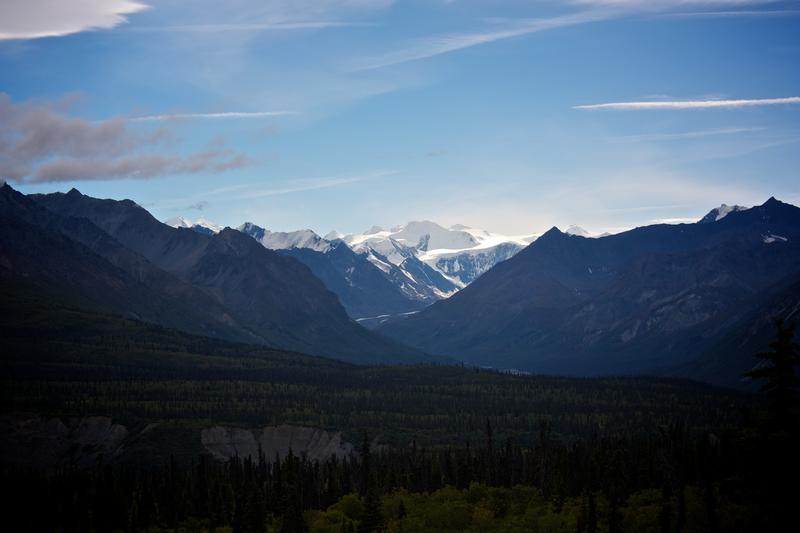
[{"x": 507, "y": 115}]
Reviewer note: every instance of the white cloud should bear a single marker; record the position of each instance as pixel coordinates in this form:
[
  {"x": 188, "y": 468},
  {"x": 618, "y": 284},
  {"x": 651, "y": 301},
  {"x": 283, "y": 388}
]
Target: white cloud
[
  {"x": 691, "y": 104},
  {"x": 222, "y": 115},
  {"x": 32, "y": 19},
  {"x": 677, "y": 220}
]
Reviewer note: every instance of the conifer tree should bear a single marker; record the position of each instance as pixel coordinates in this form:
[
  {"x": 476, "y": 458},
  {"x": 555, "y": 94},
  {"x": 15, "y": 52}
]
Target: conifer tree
[
  {"x": 778, "y": 369},
  {"x": 372, "y": 519}
]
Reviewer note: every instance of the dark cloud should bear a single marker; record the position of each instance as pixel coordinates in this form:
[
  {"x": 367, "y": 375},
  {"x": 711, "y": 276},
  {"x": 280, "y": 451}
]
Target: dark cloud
[
  {"x": 39, "y": 143},
  {"x": 199, "y": 206}
]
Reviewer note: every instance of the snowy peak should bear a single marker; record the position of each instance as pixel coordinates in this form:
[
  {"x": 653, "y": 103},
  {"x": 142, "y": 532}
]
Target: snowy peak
[
  {"x": 720, "y": 212},
  {"x": 200, "y": 225},
  {"x": 426, "y": 253},
  {"x": 393, "y": 251},
  {"x": 178, "y": 222},
  {"x": 428, "y": 239},
  {"x": 333, "y": 235},
  {"x": 256, "y": 232},
  {"x": 426, "y": 235},
  {"x": 286, "y": 240},
  {"x": 577, "y": 230},
  {"x": 279, "y": 240}
]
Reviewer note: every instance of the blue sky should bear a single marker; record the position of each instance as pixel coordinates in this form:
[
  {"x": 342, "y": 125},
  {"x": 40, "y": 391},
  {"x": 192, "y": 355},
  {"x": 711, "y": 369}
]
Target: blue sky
[{"x": 343, "y": 114}]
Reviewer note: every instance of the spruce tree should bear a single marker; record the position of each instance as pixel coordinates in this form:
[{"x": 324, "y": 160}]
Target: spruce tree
[
  {"x": 778, "y": 369},
  {"x": 372, "y": 519}
]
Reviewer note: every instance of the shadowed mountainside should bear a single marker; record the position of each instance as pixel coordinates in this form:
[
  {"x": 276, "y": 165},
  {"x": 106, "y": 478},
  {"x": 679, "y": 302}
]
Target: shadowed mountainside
[{"x": 113, "y": 256}]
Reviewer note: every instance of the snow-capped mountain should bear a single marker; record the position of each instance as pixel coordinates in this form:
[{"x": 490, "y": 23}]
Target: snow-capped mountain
[
  {"x": 459, "y": 254},
  {"x": 418, "y": 280},
  {"x": 200, "y": 225},
  {"x": 721, "y": 212}
]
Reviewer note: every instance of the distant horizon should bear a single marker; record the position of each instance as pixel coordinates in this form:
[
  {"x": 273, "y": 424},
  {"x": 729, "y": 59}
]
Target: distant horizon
[{"x": 388, "y": 227}]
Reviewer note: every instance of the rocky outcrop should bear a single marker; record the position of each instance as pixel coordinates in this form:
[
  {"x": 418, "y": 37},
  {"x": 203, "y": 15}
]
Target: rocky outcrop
[
  {"x": 223, "y": 443},
  {"x": 35, "y": 441}
]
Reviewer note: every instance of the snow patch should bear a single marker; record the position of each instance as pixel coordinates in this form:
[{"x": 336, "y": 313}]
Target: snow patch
[{"x": 769, "y": 239}]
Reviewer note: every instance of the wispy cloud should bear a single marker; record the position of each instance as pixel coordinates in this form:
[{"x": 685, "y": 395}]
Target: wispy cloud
[
  {"x": 665, "y": 4},
  {"x": 691, "y": 104},
  {"x": 247, "y": 27},
  {"x": 246, "y": 191},
  {"x": 220, "y": 115},
  {"x": 446, "y": 43},
  {"x": 33, "y": 19},
  {"x": 683, "y": 135},
  {"x": 735, "y": 14},
  {"x": 313, "y": 184},
  {"x": 645, "y": 208},
  {"x": 596, "y": 10}
]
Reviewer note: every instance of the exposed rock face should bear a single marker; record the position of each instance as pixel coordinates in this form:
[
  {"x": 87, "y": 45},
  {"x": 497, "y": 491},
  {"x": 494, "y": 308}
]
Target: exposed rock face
[
  {"x": 224, "y": 442},
  {"x": 43, "y": 442}
]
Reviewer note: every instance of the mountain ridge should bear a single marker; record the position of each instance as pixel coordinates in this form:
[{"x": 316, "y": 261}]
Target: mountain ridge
[{"x": 274, "y": 296}]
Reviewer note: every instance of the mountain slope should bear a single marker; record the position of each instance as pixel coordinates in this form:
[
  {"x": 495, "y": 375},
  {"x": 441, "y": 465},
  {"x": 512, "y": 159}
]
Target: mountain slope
[
  {"x": 362, "y": 289},
  {"x": 70, "y": 260},
  {"x": 401, "y": 265},
  {"x": 634, "y": 302},
  {"x": 275, "y": 297},
  {"x": 732, "y": 353}
]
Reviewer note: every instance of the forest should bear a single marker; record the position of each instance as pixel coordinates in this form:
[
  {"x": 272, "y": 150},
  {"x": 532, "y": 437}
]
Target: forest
[{"x": 438, "y": 447}]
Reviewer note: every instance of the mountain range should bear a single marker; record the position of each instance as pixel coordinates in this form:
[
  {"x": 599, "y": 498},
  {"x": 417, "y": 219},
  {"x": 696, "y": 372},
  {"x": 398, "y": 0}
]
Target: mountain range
[
  {"x": 382, "y": 274},
  {"x": 656, "y": 299},
  {"x": 113, "y": 256},
  {"x": 690, "y": 300}
]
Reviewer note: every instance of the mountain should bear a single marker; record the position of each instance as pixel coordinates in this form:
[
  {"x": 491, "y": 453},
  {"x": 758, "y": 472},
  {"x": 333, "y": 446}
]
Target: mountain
[
  {"x": 362, "y": 288},
  {"x": 641, "y": 301},
  {"x": 430, "y": 262},
  {"x": 274, "y": 297}
]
